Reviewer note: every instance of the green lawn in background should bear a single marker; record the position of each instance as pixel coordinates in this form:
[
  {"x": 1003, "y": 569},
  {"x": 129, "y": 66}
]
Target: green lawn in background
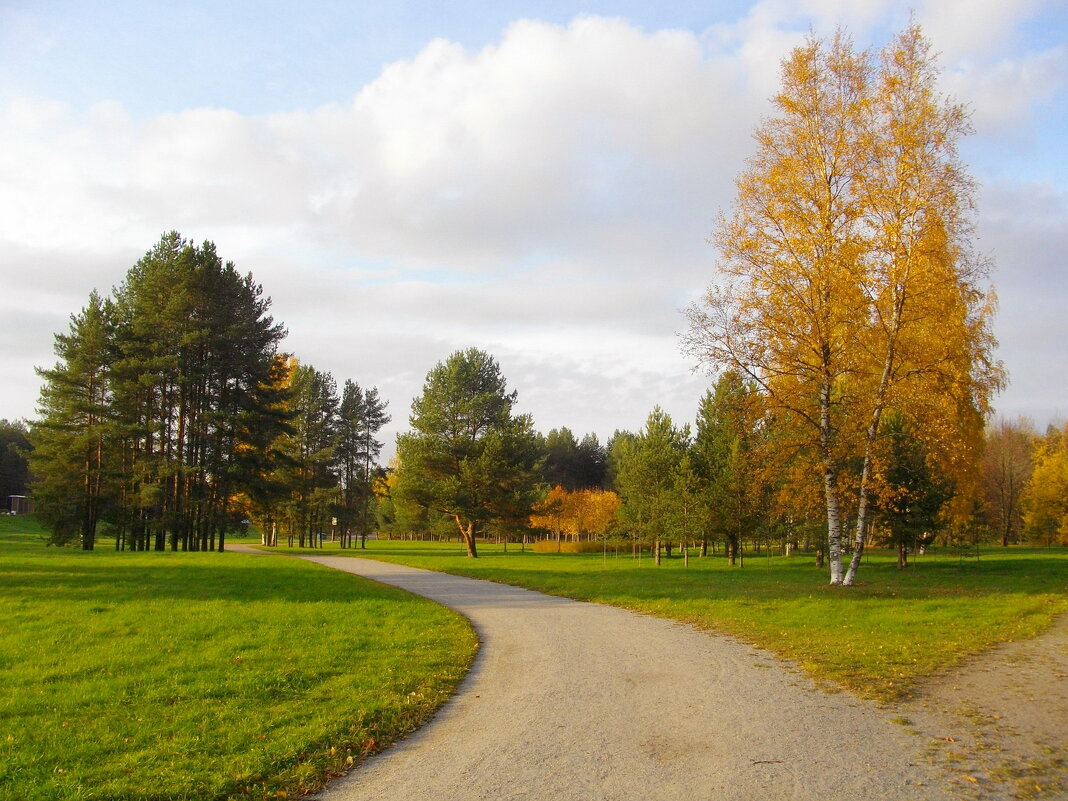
[
  {"x": 204, "y": 675},
  {"x": 879, "y": 639}
]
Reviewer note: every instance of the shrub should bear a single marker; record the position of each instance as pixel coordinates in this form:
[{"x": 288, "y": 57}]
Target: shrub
[{"x": 552, "y": 546}]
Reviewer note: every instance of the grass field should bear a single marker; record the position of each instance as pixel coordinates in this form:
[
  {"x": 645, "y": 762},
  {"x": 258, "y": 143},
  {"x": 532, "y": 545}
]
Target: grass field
[
  {"x": 213, "y": 676},
  {"x": 204, "y": 676},
  {"x": 879, "y": 639}
]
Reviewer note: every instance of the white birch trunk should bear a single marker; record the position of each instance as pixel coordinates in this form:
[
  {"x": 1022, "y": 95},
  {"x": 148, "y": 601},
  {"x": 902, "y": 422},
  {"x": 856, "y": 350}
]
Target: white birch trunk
[{"x": 830, "y": 487}]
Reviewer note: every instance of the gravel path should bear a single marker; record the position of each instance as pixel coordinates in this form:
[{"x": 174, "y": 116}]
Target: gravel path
[
  {"x": 570, "y": 700},
  {"x": 998, "y": 723}
]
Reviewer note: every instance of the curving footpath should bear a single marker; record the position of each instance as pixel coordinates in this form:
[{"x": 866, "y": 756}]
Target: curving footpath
[{"x": 570, "y": 700}]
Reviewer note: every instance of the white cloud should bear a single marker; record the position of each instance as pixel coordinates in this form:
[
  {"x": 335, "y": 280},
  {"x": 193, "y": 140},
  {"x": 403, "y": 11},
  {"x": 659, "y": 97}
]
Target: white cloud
[
  {"x": 1005, "y": 94},
  {"x": 970, "y": 29},
  {"x": 1025, "y": 228},
  {"x": 546, "y": 198}
]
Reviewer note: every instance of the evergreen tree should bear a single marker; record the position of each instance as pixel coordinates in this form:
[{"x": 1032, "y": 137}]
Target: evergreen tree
[
  {"x": 467, "y": 456},
  {"x": 561, "y": 460},
  {"x": 910, "y": 495},
  {"x": 361, "y": 416},
  {"x": 592, "y": 463},
  {"x": 647, "y": 470},
  {"x": 73, "y": 439},
  {"x": 726, "y": 459},
  {"x": 14, "y": 469},
  {"x": 259, "y": 458},
  {"x": 573, "y": 464},
  {"x": 311, "y": 471}
]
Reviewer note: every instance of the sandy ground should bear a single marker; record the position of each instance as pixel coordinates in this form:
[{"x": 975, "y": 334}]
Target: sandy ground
[
  {"x": 998, "y": 724},
  {"x": 570, "y": 700}
]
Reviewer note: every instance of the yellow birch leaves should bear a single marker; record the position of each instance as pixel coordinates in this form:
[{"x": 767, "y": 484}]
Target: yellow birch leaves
[{"x": 847, "y": 284}]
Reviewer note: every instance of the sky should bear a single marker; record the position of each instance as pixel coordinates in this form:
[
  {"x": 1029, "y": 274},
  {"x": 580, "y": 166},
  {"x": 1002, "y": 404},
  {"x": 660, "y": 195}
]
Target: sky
[{"x": 538, "y": 180}]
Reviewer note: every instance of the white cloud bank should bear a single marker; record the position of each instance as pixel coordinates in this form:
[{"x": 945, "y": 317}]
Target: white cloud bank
[{"x": 545, "y": 198}]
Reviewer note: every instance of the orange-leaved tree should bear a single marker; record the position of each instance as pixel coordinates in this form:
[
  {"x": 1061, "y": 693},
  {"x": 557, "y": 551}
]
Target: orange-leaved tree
[{"x": 848, "y": 285}]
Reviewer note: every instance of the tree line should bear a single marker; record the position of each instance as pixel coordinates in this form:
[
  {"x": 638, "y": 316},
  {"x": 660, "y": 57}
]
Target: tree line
[
  {"x": 1025, "y": 483},
  {"x": 14, "y": 469},
  {"x": 734, "y": 477},
  {"x": 849, "y": 326},
  {"x": 171, "y": 416},
  {"x": 741, "y": 477},
  {"x": 848, "y": 330}
]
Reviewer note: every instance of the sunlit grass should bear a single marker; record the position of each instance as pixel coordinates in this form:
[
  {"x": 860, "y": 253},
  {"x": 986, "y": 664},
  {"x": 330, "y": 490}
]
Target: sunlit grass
[
  {"x": 204, "y": 676},
  {"x": 879, "y": 639}
]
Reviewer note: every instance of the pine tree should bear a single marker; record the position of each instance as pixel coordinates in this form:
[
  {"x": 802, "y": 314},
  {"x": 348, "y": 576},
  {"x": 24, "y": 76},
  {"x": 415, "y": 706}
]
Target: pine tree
[
  {"x": 726, "y": 457},
  {"x": 310, "y": 471},
  {"x": 73, "y": 439},
  {"x": 467, "y": 456},
  {"x": 909, "y": 496},
  {"x": 647, "y": 467},
  {"x": 361, "y": 416}
]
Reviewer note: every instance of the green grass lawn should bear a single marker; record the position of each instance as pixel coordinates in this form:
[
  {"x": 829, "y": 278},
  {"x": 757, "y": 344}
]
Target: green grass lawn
[
  {"x": 879, "y": 639},
  {"x": 204, "y": 676}
]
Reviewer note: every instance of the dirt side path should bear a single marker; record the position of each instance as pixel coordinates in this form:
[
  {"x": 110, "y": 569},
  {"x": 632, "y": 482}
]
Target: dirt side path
[
  {"x": 570, "y": 700},
  {"x": 1000, "y": 721}
]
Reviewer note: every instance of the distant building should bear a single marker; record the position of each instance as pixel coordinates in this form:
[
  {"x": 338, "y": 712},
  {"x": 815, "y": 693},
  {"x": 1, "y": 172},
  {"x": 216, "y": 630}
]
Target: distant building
[{"x": 20, "y": 504}]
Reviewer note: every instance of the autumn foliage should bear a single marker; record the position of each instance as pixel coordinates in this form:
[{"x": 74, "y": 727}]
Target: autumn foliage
[
  {"x": 585, "y": 514},
  {"x": 847, "y": 285}
]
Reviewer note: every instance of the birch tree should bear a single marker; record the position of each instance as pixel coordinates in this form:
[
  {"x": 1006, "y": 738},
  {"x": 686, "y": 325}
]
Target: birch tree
[
  {"x": 1007, "y": 466},
  {"x": 848, "y": 285}
]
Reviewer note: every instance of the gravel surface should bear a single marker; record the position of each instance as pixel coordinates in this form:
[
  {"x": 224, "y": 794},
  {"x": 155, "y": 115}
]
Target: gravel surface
[{"x": 570, "y": 700}]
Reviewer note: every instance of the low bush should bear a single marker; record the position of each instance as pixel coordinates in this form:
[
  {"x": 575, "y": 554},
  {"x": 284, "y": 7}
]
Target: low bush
[{"x": 552, "y": 546}]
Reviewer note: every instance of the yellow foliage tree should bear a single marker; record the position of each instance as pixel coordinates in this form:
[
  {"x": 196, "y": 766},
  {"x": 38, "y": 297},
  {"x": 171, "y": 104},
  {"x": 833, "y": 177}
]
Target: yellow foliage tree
[
  {"x": 550, "y": 513},
  {"x": 589, "y": 513},
  {"x": 1007, "y": 466},
  {"x": 848, "y": 285},
  {"x": 1045, "y": 500}
]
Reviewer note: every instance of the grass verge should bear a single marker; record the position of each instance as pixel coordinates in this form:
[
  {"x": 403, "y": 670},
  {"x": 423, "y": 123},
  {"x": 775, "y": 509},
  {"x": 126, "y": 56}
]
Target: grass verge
[
  {"x": 879, "y": 639},
  {"x": 204, "y": 676}
]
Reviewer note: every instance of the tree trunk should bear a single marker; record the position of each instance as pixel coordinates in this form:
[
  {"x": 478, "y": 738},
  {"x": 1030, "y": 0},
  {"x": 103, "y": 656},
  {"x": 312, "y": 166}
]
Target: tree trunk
[
  {"x": 468, "y": 534},
  {"x": 862, "y": 500},
  {"x": 830, "y": 481},
  {"x": 834, "y": 524},
  {"x": 656, "y": 547}
]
